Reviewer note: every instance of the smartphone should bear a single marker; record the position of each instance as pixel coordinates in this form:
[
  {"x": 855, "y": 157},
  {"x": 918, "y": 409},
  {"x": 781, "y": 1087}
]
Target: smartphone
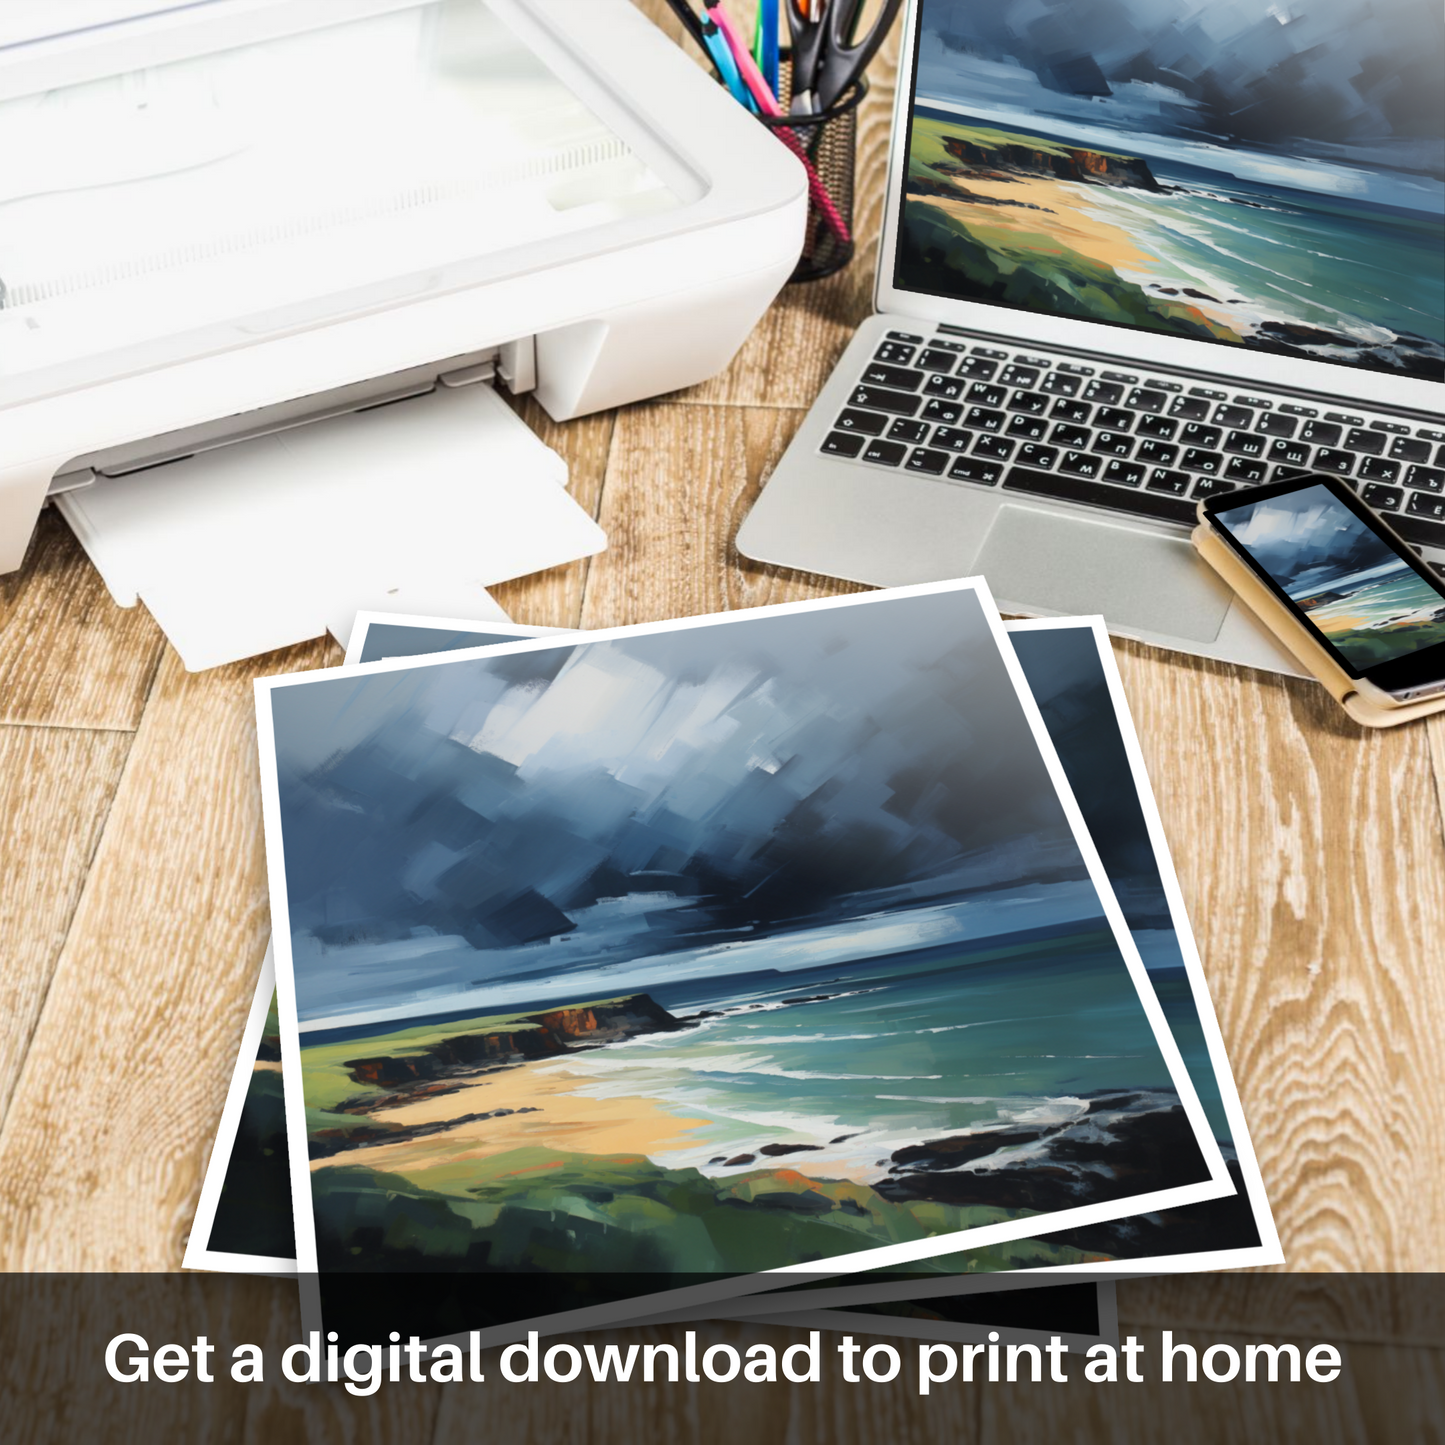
[{"x": 1335, "y": 565}]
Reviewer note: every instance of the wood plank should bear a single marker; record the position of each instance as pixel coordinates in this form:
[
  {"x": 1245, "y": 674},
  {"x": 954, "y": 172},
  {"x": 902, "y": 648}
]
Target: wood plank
[
  {"x": 1311, "y": 860},
  {"x": 1435, "y": 733},
  {"x": 1404, "y": 1308},
  {"x": 110, "y": 1123},
  {"x": 554, "y": 598},
  {"x": 680, "y": 481},
  {"x": 277, "y": 1412},
  {"x": 53, "y": 1334},
  {"x": 69, "y": 657},
  {"x": 708, "y": 1413},
  {"x": 1376, "y": 1399},
  {"x": 56, "y": 787}
]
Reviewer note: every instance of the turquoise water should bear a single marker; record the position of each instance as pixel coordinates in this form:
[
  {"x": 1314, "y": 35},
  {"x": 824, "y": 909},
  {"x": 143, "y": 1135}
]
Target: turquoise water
[
  {"x": 1385, "y": 599},
  {"x": 1288, "y": 255},
  {"x": 901, "y": 1049}
]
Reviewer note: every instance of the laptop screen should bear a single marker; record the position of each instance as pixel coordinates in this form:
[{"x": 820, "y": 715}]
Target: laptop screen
[{"x": 1258, "y": 173}]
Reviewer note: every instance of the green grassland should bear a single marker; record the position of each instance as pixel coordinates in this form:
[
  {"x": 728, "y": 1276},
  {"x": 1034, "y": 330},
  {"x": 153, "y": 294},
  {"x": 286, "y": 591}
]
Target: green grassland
[
  {"x": 927, "y": 136},
  {"x": 1038, "y": 272},
  {"x": 538, "y": 1209},
  {"x": 327, "y": 1081},
  {"x": 1021, "y": 257},
  {"x": 1367, "y": 646}
]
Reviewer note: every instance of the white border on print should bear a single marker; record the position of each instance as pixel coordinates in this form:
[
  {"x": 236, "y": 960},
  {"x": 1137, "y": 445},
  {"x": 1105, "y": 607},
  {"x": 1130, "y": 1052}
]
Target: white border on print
[
  {"x": 502, "y": 626},
  {"x": 198, "y": 1254},
  {"x": 957, "y": 1331},
  {"x": 879, "y": 1257}
]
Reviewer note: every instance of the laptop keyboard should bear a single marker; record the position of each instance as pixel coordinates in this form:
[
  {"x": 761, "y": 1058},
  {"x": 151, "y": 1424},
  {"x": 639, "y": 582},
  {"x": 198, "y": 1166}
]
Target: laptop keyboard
[{"x": 1143, "y": 445}]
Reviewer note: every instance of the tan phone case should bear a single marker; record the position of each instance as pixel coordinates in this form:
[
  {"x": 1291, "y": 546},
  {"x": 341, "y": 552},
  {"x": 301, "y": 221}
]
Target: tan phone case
[{"x": 1301, "y": 642}]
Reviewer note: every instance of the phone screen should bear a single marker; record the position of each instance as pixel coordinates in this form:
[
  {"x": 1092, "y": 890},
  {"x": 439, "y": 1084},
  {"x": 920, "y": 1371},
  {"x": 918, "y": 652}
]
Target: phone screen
[{"x": 1375, "y": 606}]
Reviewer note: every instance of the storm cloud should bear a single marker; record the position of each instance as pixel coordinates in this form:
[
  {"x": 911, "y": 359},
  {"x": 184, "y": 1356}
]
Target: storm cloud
[{"x": 663, "y": 792}]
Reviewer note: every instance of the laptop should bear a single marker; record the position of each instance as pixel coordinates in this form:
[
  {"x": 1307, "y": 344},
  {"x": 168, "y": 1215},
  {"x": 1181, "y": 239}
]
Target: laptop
[{"x": 1134, "y": 254}]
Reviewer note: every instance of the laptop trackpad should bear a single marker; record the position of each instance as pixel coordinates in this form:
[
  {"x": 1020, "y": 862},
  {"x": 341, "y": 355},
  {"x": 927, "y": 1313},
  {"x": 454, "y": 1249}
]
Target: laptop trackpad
[{"x": 1072, "y": 565}]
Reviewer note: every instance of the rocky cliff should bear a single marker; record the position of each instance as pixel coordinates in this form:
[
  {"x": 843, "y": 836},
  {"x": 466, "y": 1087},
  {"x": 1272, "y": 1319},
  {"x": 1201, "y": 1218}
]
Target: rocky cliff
[
  {"x": 1074, "y": 164},
  {"x": 528, "y": 1036}
]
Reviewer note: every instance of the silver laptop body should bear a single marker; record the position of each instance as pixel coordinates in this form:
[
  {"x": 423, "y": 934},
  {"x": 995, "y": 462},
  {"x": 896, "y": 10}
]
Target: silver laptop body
[{"x": 1062, "y": 456}]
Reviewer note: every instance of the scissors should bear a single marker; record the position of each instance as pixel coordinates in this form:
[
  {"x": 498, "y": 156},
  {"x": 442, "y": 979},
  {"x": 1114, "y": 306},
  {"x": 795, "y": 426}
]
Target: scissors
[{"x": 827, "y": 54}]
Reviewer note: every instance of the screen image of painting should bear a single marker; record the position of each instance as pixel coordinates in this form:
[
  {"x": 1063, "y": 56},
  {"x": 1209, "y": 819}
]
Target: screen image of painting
[
  {"x": 1367, "y": 601},
  {"x": 682, "y": 954},
  {"x": 1244, "y": 173}
]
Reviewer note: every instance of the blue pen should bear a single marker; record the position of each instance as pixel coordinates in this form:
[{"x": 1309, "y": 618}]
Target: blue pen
[
  {"x": 768, "y": 28},
  {"x": 727, "y": 67}
]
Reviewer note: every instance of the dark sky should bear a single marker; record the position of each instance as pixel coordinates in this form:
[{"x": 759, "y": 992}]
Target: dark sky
[
  {"x": 777, "y": 773},
  {"x": 1357, "y": 79},
  {"x": 1067, "y": 680},
  {"x": 1306, "y": 539}
]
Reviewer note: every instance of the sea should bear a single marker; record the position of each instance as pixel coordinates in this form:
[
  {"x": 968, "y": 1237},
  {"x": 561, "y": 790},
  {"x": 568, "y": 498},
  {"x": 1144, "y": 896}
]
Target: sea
[
  {"x": 1384, "y": 597},
  {"x": 1364, "y": 271},
  {"x": 859, "y": 1060}
]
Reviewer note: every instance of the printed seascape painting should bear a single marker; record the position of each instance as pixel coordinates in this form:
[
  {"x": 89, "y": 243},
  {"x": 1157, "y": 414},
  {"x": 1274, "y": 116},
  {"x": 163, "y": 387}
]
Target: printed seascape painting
[
  {"x": 1244, "y": 172},
  {"x": 679, "y": 954},
  {"x": 1068, "y": 667}
]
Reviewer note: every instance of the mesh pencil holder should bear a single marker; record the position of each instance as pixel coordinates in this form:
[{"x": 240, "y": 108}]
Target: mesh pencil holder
[{"x": 827, "y": 143}]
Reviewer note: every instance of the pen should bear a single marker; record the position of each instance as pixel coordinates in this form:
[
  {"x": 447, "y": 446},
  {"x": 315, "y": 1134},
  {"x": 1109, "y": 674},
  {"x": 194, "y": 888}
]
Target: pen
[
  {"x": 747, "y": 67},
  {"x": 705, "y": 33},
  {"x": 767, "y": 103},
  {"x": 724, "y": 57},
  {"x": 765, "y": 42},
  {"x": 688, "y": 17}
]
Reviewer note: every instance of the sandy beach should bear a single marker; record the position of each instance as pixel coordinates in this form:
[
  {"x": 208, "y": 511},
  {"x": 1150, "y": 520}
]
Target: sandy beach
[
  {"x": 564, "y": 1119},
  {"x": 1060, "y": 226}
]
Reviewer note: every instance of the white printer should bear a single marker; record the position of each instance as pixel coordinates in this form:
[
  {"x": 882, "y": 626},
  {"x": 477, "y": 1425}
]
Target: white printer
[{"x": 222, "y": 220}]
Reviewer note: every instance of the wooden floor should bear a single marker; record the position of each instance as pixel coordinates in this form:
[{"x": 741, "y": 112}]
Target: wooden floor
[{"x": 133, "y": 905}]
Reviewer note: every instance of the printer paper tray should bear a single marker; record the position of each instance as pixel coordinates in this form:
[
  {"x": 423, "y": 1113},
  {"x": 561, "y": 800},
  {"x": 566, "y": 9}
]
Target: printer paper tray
[{"x": 417, "y": 506}]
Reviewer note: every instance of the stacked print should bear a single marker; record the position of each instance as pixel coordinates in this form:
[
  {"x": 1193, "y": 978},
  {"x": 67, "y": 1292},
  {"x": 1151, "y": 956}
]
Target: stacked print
[{"x": 626, "y": 974}]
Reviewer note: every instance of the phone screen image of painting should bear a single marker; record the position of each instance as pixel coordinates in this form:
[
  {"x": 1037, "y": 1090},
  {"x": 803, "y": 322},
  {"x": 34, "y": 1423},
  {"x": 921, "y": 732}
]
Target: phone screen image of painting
[
  {"x": 691, "y": 953},
  {"x": 1365, "y": 599}
]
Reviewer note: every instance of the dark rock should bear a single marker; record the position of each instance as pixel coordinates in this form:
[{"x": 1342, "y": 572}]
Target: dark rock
[
  {"x": 842, "y": 1138},
  {"x": 555, "y": 1031},
  {"x": 1300, "y": 334},
  {"x": 1212, "y": 1224},
  {"x": 776, "y": 1151},
  {"x": 1121, "y": 1145},
  {"x": 922, "y": 186},
  {"x": 741, "y": 1159},
  {"x": 964, "y": 1148},
  {"x": 323, "y": 1143},
  {"x": 1076, "y": 164}
]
